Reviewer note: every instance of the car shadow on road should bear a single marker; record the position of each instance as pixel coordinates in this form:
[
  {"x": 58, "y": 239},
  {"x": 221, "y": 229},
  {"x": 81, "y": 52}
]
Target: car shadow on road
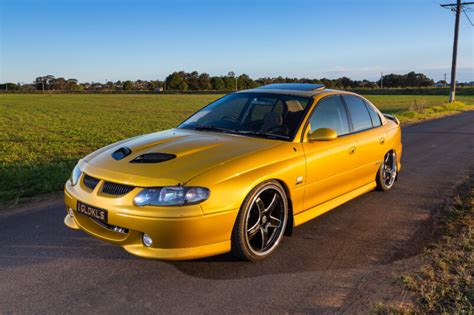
[{"x": 352, "y": 236}]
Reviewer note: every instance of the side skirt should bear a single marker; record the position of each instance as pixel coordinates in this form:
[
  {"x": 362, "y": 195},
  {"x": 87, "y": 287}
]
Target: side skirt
[{"x": 314, "y": 212}]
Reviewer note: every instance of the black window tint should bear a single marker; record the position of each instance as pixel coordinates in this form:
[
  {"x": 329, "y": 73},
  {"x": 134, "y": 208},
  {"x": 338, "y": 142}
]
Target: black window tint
[
  {"x": 330, "y": 113},
  {"x": 373, "y": 115},
  {"x": 358, "y": 111}
]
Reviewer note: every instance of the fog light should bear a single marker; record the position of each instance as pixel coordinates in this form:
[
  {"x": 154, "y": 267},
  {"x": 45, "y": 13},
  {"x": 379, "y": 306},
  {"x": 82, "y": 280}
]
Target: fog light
[
  {"x": 147, "y": 241},
  {"x": 71, "y": 212}
]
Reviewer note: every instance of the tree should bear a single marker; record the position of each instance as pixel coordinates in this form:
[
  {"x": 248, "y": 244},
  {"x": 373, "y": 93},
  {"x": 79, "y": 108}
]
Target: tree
[
  {"x": 128, "y": 85},
  {"x": 229, "y": 83},
  {"x": 176, "y": 81},
  {"x": 410, "y": 79},
  {"x": 245, "y": 82},
  {"x": 192, "y": 80},
  {"x": 217, "y": 84},
  {"x": 71, "y": 85},
  {"x": 43, "y": 83},
  {"x": 58, "y": 84},
  {"x": 204, "y": 82},
  {"x": 110, "y": 85},
  {"x": 9, "y": 86}
]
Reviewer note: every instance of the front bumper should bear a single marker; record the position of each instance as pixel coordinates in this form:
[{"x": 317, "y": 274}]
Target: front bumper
[{"x": 178, "y": 233}]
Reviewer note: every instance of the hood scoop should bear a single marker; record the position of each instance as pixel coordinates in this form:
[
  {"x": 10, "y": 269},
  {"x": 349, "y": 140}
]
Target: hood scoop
[
  {"x": 149, "y": 158},
  {"x": 121, "y": 153}
]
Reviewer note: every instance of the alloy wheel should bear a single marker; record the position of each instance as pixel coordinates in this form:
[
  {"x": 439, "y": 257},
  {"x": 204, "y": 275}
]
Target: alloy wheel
[
  {"x": 389, "y": 169},
  {"x": 265, "y": 221}
]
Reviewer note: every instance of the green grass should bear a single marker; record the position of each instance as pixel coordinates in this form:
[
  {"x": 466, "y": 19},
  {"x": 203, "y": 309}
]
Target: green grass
[
  {"x": 43, "y": 136},
  {"x": 413, "y": 108}
]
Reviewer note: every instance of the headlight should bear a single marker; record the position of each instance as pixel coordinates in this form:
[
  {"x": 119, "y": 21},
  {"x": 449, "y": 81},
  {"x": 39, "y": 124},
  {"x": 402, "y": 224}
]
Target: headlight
[
  {"x": 171, "y": 196},
  {"x": 76, "y": 173}
]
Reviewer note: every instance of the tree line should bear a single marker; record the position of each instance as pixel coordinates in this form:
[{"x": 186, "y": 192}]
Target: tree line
[{"x": 195, "y": 81}]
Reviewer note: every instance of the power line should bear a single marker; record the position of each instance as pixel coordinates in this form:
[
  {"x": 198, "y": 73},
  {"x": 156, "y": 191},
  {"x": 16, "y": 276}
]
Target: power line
[
  {"x": 453, "y": 6},
  {"x": 457, "y": 8},
  {"x": 467, "y": 16}
]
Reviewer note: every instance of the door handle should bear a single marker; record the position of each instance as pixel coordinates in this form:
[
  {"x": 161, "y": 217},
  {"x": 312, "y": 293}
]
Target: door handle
[
  {"x": 352, "y": 150},
  {"x": 382, "y": 140}
]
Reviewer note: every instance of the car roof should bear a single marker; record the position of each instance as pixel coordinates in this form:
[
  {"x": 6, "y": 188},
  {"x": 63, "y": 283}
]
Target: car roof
[{"x": 297, "y": 89}]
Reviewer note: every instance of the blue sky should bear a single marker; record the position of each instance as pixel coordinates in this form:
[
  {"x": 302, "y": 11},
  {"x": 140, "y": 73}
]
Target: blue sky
[{"x": 143, "y": 39}]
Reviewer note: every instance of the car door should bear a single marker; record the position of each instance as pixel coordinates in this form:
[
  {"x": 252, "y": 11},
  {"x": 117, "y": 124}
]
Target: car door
[
  {"x": 366, "y": 124},
  {"x": 330, "y": 164}
]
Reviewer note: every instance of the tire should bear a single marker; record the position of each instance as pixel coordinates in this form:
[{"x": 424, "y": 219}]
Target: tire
[
  {"x": 388, "y": 172},
  {"x": 261, "y": 222}
]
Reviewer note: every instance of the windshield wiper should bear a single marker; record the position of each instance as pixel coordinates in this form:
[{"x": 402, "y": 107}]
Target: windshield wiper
[
  {"x": 240, "y": 132},
  {"x": 211, "y": 128},
  {"x": 263, "y": 134}
]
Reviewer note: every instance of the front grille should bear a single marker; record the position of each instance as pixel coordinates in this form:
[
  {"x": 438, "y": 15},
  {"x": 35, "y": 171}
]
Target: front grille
[
  {"x": 116, "y": 189},
  {"x": 90, "y": 181}
]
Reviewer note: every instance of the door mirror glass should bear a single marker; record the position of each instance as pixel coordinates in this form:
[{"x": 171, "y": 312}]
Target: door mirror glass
[{"x": 322, "y": 134}]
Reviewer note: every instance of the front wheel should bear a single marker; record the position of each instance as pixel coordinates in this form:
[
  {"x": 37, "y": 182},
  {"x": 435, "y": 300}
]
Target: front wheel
[
  {"x": 388, "y": 172},
  {"x": 261, "y": 222}
]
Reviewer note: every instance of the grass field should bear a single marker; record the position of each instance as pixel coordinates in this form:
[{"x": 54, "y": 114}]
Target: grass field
[{"x": 43, "y": 136}]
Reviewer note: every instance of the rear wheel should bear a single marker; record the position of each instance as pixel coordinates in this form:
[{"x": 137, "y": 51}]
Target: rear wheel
[
  {"x": 388, "y": 172},
  {"x": 261, "y": 222}
]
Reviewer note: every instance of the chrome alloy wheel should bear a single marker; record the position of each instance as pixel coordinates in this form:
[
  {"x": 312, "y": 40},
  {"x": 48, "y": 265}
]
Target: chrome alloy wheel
[
  {"x": 265, "y": 220},
  {"x": 389, "y": 169}
]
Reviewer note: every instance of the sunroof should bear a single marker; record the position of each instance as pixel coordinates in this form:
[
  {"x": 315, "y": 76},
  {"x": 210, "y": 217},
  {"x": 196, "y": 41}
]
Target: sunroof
[{"x": 293, "y": 86}]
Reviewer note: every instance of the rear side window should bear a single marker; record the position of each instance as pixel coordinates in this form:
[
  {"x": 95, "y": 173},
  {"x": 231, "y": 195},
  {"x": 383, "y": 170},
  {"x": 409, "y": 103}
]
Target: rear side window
[
  {"x": 359, "y": 114},
  {"x": 373, "y": 115},
  {"x": 330, "y": 113}
]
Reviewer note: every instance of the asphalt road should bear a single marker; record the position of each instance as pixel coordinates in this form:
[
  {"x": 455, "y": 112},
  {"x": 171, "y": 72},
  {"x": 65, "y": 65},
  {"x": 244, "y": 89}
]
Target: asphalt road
[{"x": 47, "y": 268}]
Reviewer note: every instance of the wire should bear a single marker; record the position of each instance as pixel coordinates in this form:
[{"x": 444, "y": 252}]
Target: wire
[
  {"x": 467, "y": 16},
  {"x": 464, "y": 8}
]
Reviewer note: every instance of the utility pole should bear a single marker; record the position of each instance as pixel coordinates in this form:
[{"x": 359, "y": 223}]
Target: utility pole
[
  {"x": 381, "y": 80},
  {"x": 457, "y": 8}
]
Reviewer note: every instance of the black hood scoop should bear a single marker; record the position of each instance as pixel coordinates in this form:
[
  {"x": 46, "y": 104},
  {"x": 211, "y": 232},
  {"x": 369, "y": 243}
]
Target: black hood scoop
[
  {"x": 149, "y": 158},
  {"x": 121, "y": 153}
]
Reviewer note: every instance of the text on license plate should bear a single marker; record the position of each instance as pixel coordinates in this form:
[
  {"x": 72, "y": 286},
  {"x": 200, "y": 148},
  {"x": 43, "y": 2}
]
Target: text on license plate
[{"x": 93, "y": 212}]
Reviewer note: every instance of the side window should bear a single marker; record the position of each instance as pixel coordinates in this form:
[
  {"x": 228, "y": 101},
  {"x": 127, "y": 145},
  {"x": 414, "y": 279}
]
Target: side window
[
  {"x": 359, "y": 114},
  {"x": 330, "y": 113},
  {"x": 373, "y": 115}
]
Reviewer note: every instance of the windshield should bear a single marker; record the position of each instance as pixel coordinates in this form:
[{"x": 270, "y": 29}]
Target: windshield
[{"x": 253, "y": 114}]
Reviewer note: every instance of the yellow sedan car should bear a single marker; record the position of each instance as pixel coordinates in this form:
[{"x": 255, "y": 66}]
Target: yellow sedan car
[{"x": 237, "y": 175}]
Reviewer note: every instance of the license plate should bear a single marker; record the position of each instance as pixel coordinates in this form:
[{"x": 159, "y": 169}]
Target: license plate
[{"x": 93, "y": 212}]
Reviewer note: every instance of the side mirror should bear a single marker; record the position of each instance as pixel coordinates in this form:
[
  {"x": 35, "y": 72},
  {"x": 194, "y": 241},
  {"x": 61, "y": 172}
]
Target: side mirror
[{"x": 322, "y": 134}]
